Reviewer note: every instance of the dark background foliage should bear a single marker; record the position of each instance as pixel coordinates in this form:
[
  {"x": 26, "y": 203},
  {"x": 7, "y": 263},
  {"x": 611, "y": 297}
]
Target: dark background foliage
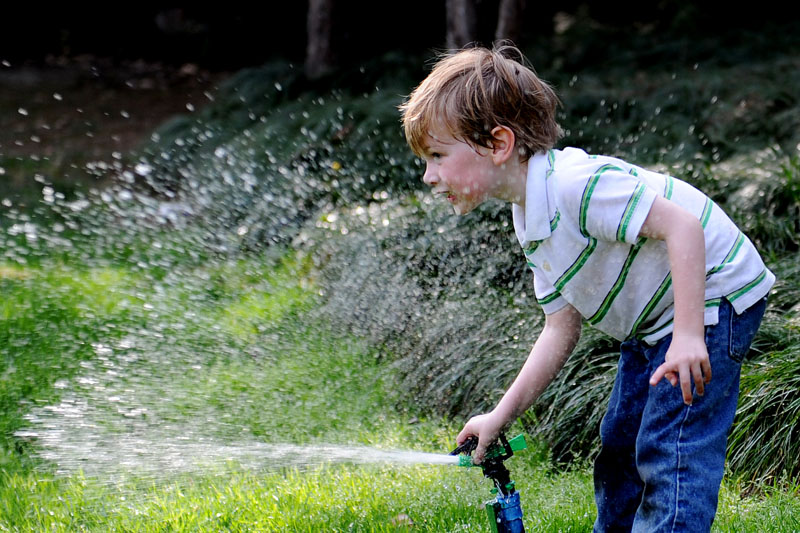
[{"x": 232, "y": 37}]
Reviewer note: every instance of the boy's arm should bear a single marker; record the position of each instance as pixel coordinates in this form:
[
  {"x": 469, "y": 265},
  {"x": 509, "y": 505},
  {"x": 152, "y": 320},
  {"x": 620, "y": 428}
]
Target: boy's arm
[
  {"x": 555, "y": 343},
  {"x": 687, "y": 355}
]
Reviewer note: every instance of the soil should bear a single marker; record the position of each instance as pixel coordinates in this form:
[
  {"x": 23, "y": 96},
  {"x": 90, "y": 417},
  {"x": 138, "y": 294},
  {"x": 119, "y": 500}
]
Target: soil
[{"x": 60, "y": 118}]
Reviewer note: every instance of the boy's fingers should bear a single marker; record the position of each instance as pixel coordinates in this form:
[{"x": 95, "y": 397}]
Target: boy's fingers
[
  {"x": 466, "y": 433},
  {"x": 706, "y": 366},
  {"x": 697, "y": 373},
  {"x": 700, "y": 373},
  {"x": 660, "y": 372},
  {"x": 477, "y": 455},
  {"x": 686, "y": 385}
]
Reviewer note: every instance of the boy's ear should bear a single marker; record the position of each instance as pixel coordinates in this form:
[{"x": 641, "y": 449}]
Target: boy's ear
[{"x": 502, "y": 144}]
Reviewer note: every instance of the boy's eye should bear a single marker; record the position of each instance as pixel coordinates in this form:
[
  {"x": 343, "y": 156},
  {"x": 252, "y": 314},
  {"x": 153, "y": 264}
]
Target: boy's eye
[{"x": 436, "y": 155}]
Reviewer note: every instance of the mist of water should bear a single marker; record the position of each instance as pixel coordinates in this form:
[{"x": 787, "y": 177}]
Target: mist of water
[
  {"x": 449, "y": 298},
  {"x": 159, "y": 454}
]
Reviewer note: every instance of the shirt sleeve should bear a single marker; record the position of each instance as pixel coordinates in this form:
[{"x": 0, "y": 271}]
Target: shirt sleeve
[
  {"x": 547, "y": 296},
  {"x": 614, "y": 205}
]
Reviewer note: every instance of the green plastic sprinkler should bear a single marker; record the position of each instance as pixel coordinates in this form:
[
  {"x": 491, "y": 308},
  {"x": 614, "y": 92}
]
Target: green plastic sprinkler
[{"x": 504, "y": 511}]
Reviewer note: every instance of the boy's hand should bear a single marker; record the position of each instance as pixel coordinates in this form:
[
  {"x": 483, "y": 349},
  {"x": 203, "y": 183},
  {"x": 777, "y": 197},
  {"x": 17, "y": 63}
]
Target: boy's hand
[
  {"x": 686, "y": 360},
  {"x": 486, "y": 427}
]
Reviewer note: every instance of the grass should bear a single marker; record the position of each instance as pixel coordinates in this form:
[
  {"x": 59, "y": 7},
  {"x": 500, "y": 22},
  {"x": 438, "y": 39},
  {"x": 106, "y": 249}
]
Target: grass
[
  {"x": 49, "y": 321},
  {"x": 332, "y": 498},
  {"x": 310, "y": 386}
]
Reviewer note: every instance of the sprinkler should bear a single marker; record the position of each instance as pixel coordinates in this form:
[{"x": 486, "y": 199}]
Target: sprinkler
[{"x": 504, "y": 511}]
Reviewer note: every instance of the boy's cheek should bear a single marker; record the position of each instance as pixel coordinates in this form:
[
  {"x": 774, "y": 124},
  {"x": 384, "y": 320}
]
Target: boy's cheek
[
  {"x": 458, "y": 209},
  {"x": 462, "y": 207}
]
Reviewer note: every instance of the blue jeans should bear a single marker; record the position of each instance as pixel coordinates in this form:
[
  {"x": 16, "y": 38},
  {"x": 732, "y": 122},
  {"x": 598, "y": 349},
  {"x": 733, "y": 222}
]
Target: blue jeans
[{"x": 662, "y": 461}]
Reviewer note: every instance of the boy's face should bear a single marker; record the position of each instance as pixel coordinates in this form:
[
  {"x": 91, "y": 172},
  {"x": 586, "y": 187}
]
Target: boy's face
[{"x": 463, "y": 173}]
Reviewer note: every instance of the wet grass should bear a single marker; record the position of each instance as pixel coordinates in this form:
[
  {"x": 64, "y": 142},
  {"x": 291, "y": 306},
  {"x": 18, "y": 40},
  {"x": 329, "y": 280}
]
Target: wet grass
[
  {"x": 48, "y": 322},
  {"x": 312, "y": 386}
]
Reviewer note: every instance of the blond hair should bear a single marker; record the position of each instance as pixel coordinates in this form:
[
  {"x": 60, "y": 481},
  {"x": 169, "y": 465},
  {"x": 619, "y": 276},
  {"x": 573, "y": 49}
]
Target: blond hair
[{"x": 471, "y": 91}]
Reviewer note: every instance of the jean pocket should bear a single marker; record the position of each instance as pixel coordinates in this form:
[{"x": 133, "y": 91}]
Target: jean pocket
[{"x": 743, "y": 329}]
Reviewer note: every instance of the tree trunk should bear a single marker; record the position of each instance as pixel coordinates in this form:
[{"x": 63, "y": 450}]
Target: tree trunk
[
  {"x": 320, "y": 56},
  {"x": 509, "y": 20},
  {"x": 462, "y": 27}
]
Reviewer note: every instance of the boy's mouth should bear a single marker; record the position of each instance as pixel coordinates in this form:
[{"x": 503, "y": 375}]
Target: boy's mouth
[{"x": 447, "y": 194}]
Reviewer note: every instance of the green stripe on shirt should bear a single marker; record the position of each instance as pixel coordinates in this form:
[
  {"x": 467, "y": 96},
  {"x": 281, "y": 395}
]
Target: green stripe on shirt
[
  {"x": 662, "y": 290},
  {"x": 630, "y": 209},
  {"x": 551, "y": 159},
  {"x": 587, "y": 195},
  {"x": 577, "y": 265},
  {"x": 706, "y": 215},
  {"x": 714, "y": 302},
  {"x": 602, "y": 311},
  {"x": 549, "y": 298},
  {"x": 739, "y": 293},
  {"x": 532, "y": 248},
  {"x": 737, "y": 245},
  {"x": 592, "y": 242},
  {"x": 554, "y": 222},
  {"x": 669, "y": 188}
]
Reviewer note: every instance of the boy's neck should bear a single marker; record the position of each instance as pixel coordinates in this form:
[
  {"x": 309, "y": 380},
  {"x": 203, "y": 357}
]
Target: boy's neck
[{"x": 513, "y": 187}]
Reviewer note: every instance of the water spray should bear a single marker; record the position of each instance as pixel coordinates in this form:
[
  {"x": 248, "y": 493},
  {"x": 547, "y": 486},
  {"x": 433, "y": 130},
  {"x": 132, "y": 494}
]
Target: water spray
[{"x": 504, "y": 511}]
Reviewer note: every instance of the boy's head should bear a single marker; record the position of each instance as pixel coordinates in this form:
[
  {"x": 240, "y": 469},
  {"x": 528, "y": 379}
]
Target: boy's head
[{"x": 471, "y": 91}]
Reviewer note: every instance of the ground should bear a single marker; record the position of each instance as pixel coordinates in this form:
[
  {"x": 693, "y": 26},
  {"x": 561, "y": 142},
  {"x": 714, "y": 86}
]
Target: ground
[{"x": 63, "y": 114}]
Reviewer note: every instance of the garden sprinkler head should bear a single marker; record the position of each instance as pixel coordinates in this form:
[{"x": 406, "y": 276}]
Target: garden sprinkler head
[
  {"x": 504, "y": 511},
  {"x": 492, "y": 464}
]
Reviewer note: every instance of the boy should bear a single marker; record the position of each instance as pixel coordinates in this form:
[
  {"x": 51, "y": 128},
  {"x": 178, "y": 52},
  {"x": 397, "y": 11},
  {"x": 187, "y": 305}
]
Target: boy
[{"x": 642, "y": 256}]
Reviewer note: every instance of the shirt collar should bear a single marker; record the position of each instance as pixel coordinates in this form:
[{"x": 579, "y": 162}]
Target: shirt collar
[{"x": 532, "y": 223}]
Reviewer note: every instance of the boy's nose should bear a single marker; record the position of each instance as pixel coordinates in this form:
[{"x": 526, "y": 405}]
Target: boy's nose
[{"x": 430, "y": 178}]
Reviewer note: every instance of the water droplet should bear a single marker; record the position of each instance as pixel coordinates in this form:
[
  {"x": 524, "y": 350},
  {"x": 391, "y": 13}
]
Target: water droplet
[{"x": 143, "y": 169}]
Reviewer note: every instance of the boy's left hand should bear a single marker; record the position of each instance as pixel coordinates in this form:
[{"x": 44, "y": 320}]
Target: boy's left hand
[{"x": 685, "y": 360}]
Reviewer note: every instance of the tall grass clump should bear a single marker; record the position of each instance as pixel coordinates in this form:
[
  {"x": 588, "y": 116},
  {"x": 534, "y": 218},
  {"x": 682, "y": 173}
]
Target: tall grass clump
[
  {"x": 406, "y": 275},
  {"x": 448, "y": 301},
  {"x": 764, "y": 442}
]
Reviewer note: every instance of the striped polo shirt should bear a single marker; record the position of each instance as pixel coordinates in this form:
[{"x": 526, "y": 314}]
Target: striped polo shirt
[{"x": 579, "y": 231}]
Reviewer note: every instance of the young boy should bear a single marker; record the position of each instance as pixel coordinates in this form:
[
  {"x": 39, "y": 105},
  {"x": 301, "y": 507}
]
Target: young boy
[{"x": 644, "y": 257}]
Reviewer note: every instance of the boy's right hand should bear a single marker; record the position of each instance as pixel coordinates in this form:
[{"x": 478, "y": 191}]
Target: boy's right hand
[{"x": 486, "y": 427}]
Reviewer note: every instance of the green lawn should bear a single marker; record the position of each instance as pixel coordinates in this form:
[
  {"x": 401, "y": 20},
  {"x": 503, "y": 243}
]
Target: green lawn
[{"x": 198, "y": 383}]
